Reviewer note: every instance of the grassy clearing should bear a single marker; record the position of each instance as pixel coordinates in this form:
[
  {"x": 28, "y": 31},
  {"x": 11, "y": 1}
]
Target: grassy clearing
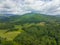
[
  {"x": 9, "y": 35},
  {"x": 2, "y": 32}
]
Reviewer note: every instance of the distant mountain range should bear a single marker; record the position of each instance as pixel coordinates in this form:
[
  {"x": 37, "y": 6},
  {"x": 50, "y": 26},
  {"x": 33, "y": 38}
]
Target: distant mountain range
[
  {"x": 7, "y": 15},
  {"x": 30, "y": 17}
]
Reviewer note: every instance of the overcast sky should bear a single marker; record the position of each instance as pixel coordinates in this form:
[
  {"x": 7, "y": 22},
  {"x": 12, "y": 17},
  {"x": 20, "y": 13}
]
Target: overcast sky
[{"x": 51, "y": 7}]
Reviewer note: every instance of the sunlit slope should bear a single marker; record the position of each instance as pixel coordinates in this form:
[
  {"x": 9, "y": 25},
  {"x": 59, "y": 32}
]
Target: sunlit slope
[{"x": 31, "y": 17}]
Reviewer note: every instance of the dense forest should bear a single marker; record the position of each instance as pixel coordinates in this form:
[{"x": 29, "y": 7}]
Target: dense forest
[{"x": 30, "y": 29}]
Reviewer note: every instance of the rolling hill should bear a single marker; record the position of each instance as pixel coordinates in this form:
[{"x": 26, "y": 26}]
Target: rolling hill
[
  {"x": 30, "y": 17},
  {"x": 30, "y": 29}
]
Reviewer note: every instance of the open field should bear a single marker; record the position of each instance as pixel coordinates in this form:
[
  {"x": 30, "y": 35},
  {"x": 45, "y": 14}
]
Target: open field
[{"x": 9, "y": 35}]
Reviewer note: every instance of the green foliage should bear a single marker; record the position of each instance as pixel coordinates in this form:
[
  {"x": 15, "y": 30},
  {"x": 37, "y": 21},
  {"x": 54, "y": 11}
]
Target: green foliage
[
  {"x": 30, "y": 29},
  {"x": 39, "y": 35}
]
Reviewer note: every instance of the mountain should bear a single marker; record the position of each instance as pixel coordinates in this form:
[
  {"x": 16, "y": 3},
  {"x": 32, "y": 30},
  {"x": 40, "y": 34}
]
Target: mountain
[
  {"x": 34, "y": 17},
  {"x": 30, "y": 17},
  {"x": 6, "y": 15},
  {"x": 30, "y": 29}
]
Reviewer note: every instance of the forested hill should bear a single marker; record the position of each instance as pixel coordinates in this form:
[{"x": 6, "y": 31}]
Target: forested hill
[
  {"x": 30, "y": 17},
  {"x": 30, "y": 29}
]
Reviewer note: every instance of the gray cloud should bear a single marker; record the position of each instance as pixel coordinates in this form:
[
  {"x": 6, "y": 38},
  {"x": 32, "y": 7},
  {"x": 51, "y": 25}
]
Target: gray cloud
[{"x": 51, "y": 7}]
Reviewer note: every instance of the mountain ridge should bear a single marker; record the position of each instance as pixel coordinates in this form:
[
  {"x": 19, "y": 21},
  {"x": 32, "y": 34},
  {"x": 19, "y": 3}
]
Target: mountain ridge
[{"x": 30, "y": 17}]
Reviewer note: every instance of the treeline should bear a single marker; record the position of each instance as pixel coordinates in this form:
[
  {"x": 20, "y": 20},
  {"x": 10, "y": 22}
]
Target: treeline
[
  {"x": 39, "y": 34},
  {"x": 36, "y": 30}
]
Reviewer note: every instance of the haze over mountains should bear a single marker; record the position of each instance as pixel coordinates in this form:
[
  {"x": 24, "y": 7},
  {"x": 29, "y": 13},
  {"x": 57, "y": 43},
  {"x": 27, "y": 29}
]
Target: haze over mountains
[
  {"x": 30, "y": 29},
  {"x": 50, "y": 7},
  {"x": 29, "y": 22}
]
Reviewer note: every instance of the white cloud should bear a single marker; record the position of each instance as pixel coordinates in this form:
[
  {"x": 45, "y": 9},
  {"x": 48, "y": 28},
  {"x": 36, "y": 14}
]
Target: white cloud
[{"x": 28, "y": 6}]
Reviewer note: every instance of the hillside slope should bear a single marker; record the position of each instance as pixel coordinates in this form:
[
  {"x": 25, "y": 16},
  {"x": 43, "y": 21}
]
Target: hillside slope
[
  {"x": 30, "y": 17},
  {"x": 30, "y": 29}
]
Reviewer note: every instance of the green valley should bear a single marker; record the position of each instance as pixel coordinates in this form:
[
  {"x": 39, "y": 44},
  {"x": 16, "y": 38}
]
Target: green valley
[{"x": 30, "y": 29}]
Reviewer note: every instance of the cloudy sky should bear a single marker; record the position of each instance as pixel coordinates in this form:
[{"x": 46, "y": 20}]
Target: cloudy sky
[{"x": 51, "y": 7}]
